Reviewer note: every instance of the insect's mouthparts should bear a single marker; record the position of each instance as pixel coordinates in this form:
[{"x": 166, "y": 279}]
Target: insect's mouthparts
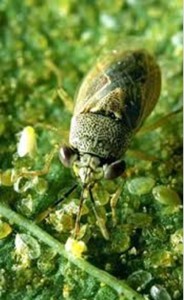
[{"x": 84, "y": 174}]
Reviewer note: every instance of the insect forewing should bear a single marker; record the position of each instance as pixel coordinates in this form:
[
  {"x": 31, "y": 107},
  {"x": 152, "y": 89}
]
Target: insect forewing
[{"x": 126, "y": 84}]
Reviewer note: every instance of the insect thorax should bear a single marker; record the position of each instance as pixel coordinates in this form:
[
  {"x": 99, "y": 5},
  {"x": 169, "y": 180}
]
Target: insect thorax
[{"x": 99, "y": 135}]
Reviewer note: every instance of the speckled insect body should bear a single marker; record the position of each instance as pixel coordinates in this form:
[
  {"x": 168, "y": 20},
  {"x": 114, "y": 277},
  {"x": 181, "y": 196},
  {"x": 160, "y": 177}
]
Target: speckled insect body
[{"x": 113, "y": 101}]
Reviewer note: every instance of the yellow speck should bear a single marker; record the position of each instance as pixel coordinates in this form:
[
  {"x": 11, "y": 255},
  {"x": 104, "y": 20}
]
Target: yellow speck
[
  {"x": 6, "y": 178},
  {"x": 75, "y": 247},
  {"x": 66, "y": 291},
  {"x": 5, "y": 229}
]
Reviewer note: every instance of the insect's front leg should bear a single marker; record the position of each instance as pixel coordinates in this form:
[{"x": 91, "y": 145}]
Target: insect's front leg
[
  {"x": 77, "y": 221},
  {"x": 100, "y": 220},
  {"x": 113, "y": 203},
  {"x": 112, "y": 171},
  {"x": 115, "y": 197},
  {"x": 26, "y": 173}
]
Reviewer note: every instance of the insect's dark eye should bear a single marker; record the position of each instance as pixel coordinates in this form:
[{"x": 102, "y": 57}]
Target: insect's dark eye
[
  {"x": 67, "y": 155},
  {"x": 115, "y": 169}
]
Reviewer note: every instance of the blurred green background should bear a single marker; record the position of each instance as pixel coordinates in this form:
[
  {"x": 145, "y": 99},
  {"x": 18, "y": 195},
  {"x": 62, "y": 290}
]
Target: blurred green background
[{"x": 49, "y": 45}]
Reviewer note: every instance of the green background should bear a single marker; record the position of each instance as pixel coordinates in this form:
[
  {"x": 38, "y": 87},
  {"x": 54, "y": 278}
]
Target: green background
[{"x": 49, "y": 45}]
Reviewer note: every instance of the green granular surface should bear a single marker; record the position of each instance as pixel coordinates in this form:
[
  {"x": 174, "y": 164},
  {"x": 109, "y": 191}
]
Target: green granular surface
[{"x": 47, "y": 46}]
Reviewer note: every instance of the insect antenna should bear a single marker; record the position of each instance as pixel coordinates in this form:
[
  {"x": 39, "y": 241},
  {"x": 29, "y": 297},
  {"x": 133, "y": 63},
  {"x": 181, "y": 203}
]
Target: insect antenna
[
  {"x": 42, "y": 215},
  {"x": 100, "y": 220},
  {"x": 65, "y": 195}
]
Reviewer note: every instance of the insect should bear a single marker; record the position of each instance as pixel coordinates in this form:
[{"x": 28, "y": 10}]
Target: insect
[{"x": 113, "y": 101}]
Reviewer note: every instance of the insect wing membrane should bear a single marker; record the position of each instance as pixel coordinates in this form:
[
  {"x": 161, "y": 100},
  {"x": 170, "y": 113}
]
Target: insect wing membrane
[{"x": 124, "y": 84}]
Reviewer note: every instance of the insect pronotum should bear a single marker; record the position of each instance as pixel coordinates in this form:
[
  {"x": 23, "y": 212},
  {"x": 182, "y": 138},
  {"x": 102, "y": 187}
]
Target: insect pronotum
[{"x": 113, "y": 101}]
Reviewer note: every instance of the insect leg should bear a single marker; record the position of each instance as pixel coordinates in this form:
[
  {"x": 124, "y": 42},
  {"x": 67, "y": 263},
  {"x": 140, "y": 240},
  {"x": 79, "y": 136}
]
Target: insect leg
[
  {"x": 141, "y": 155},
  {"x": 113, "y": 202},
  {"x": 77, "y": 222},
  {"x": 100, "y": 221},
  {"x": 55, "y": 70},
  {"x": 44, "y": 170},
  {"x": 144, "y": 156},
  {"x": 159, "y": 122},
  {"x": 49, "y": 127},
  {"x": 68, "y": 101}
]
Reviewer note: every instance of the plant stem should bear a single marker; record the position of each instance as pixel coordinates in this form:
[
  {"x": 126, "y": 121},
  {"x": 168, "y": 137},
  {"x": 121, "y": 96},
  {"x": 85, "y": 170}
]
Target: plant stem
[{"x": 118, "y": 285}]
